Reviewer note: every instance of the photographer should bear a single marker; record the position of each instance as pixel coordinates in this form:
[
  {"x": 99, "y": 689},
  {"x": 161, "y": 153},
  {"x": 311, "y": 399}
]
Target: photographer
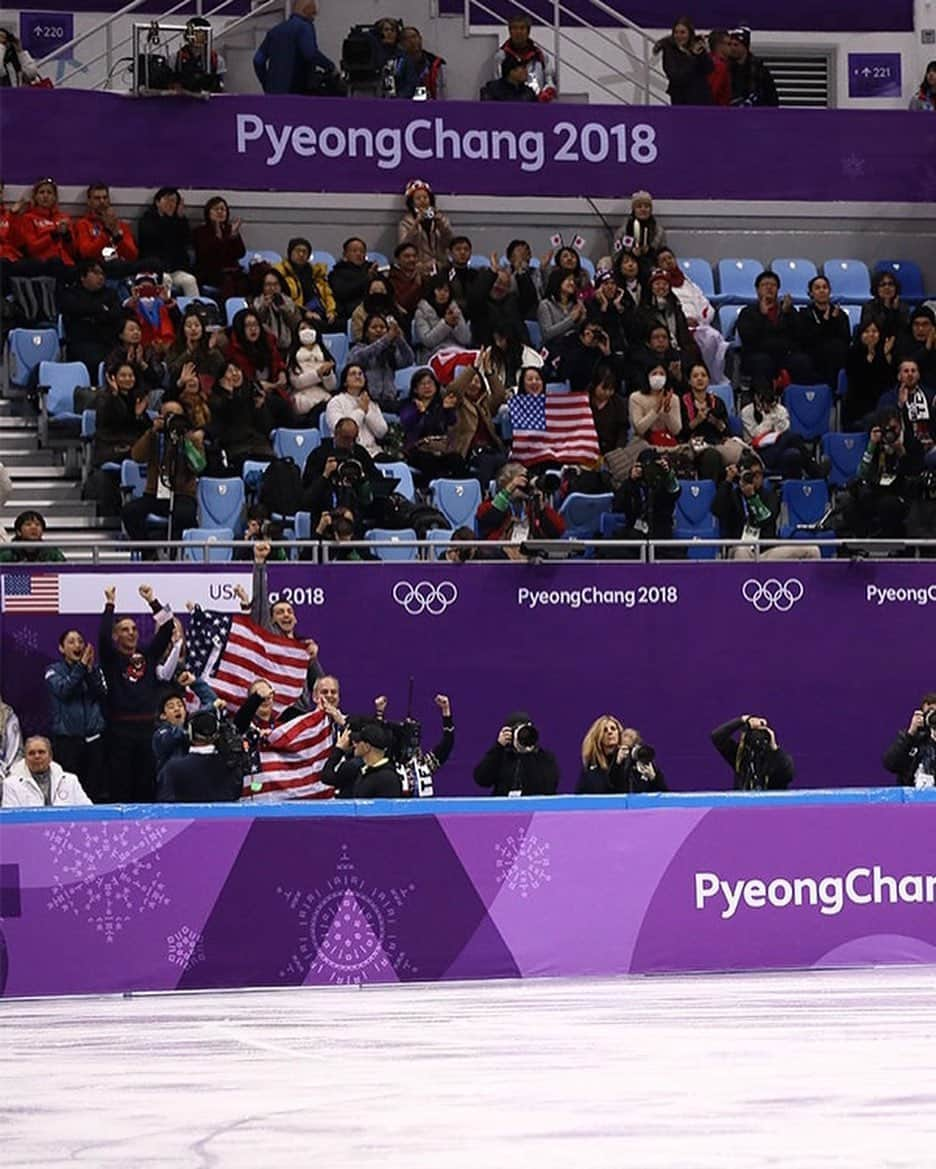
[
  {"x": 879, "y": 499},
  {"x": 340, "y": 475},
  {"x": 912, "y": 755},
  {"x": 174, "y": 457},
  {"x": 616, "y": 762},
  {"x": 516, "y": 765},
  {"x": 338, "y": 528},
  {"x": 359, "y": 766},
  {"x": 589, "y": 357},
  {"x": 204, "y": 775},
  {"x": 520, "y": 509},
  {"x": 747, "y": 511},
  {"x": 418, "y": 766},
  {"x": 756, "y": 759},
  {"x": 921, "y": 518},
  {"x": 647, "y": 498}
]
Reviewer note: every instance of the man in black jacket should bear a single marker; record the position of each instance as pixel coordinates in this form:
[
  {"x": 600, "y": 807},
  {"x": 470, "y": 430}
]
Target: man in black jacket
[
  {"x": 517, "y": 765},
  {"x": 747, "y": 511},
  {"x": 647, "y": 499},
  {"x": 327, "y": 484},
  {"x": 512, "y": 85},
  {"x": 92, "y": 315},
  {"x": 203, "y": 776},
  {"x": 752, "y": 83},
  {"x": 756, "y": 759},
  {"x": 378, "y": 778},
  {"x": 912, "y": 755}
]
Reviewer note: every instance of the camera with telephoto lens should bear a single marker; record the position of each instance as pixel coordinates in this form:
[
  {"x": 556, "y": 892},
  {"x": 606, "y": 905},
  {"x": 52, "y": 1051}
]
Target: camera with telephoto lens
[
  {"x": 547, "y": 482},
  {"x": 929, "y": 720},
  {"x": 890, "y": 435},
  {"x": 525, "y": 738},
  {"x": 350, "y": 473},
  {"x": 642, "y": 753},
  {"x": 655, "y": 471},
  {"x": 175, "y": 427},
  {"x": 747, "y": 478}
]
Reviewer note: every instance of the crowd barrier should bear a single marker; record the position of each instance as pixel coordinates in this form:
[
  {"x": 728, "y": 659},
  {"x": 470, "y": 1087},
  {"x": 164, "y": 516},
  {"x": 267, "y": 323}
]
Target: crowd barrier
[{"x": 97, "y": 901}]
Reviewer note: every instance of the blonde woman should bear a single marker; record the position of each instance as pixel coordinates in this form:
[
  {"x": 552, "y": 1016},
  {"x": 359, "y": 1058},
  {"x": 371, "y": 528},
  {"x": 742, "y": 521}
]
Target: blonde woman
[{"x": 609, "y": 763}]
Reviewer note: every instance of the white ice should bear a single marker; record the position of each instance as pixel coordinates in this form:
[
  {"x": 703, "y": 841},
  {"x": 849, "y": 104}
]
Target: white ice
[{"x": 722, "y": 1072}]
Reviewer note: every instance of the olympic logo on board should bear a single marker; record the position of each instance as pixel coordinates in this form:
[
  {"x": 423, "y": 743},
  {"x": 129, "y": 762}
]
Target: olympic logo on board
[
  {"x": 777, "y": 595},
  {"x": 425, "y": 597}
]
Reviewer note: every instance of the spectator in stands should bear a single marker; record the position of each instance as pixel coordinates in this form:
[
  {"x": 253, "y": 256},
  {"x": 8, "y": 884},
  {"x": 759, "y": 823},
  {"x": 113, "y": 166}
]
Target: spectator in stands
[
  {"x": 278, "y": 312},
  {"x": 378, "y": 300},
  {"x": 504, "y": 360},
  {"x": 242, "y": 416},
  {"x": 560, "y": 313},
  {"x": 37, "y": 782},
  {"x": 661, "y": 306},
  {"x": 912, "y": 755},
  {"x": 16, "y": 65},
  {"x": 747, "y": 510},
  {"x": 630, "y": 282},
  {"x": 719, "y": 80},
  {"x": 521, "y": 47},
  {"x": 147, "y": 302},
  {"x": 77, "y": 691},
  {"x": 330, "y": 486},
  {"x": 517, "y": 765},
  {"x": 686, "y": 64},
  {"x": 91, "y": 314},
  {"x": 165, "y": 237},
  {"x": 196, "y": 354},
  {"x": 427, "y": 229},
  {"x": 44, "y": 231},
  {"x": 769, "y": 334},
  {"x": 752, "y": 83},
  {"x": 9, "y": 236},
  {"x": 587, "y": 358},
  {"x": 568, "y": 260},
  {"x": 350, "y": 279},
  {"x": 512, "y": 85},
  {"x": 642, "y": 234},
  {"x": 130, "y": 673},
  {"x": 705, "y": 427},
  {"x": 766, "y": 424},
  {"x": 755, "y": 757},
  {"x": 917, "y": 410},
  {"x": 11, "y": 739},
  {"x": 289, "y": 60},
  {"x": 121, "y": 415},
  {"x": 869, "y": 370},
  {"x": 609, "y": 410},
  {"x": 612, "y": 312},
  {"x": 254, "y": 349},
  {"x": 474, "y": 435},
  {"x": 311, "y": 372},
  {"x": 27, "y": 545},
  {"x": 194, "y": 70},
  {"x": 885, "y": 306},
  {"x": 657, "y": 350},
  {"x": 925, "y": 97},
  {"x": 307, "y": 282},
  {"x": 920, "y": 346},
  {"x": 406, "y": 282},
  {"x": 426, "y": 417},
  {"x": 380, "y": 354},
  {"x": 462, "y": 275},
  {"x": 149, "y": 366},
  {"x": 654, "y": 410},
  {"x": 526, "y": 278},
  {"x": 218, "y": 249},
  {"x": 494, "y": 306},
  {"x": 353, "y": 400},
  {"x": 646, "y": 498},
  {"x": 101, "y": 235},
  {"x": 439, "y": 323},
  {"x": 387, "y": 35},
  {"x": 417, "y": 73},
  {"x": 698, "y": 312},
  {"x": 824, "y": 333},
  {"x": 608, "y": 763},
  {"x": 518, "y": 512}
]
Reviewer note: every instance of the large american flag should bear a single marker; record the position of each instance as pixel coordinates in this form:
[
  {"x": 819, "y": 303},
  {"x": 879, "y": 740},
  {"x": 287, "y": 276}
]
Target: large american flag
[
  {"x": 237, "y": 653},
  {"x": 554, "y": 427},
  {"x": 30, "y": 592},
  {"x": 291, "y": 761}
]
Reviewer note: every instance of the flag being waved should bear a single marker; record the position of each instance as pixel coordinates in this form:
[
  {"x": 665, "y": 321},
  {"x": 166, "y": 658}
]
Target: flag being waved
[
  {"x": 291, "y": 761},
  {"x": 556, "y": 428}
]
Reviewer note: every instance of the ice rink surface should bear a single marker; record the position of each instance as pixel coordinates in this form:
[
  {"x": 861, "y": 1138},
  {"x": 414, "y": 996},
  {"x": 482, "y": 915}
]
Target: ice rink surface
[{"x": 831, "y": 1069}]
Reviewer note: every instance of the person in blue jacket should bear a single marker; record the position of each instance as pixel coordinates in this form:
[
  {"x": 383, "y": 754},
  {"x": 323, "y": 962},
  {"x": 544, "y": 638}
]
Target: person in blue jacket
[
  {"x": 77, "y": 690},
  {"x": 289, "y": 60}
]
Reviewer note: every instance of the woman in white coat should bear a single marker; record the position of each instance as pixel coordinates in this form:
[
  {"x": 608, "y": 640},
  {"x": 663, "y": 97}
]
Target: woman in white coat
[
  {"x": 353, "y": 401},
  {"x": 699, "y": 314},
  {"x": 311, "y": 372},
  {"x": 37, "y": 782}
]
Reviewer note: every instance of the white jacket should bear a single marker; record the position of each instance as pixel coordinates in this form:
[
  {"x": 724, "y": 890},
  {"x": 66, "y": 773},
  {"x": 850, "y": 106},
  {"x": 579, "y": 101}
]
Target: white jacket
[
  {"x": 694, "y": 303},
  {"x": 20, "y": 790},
  {"x": 309, "y": 377},
  {"x": 372, "y": 426}
]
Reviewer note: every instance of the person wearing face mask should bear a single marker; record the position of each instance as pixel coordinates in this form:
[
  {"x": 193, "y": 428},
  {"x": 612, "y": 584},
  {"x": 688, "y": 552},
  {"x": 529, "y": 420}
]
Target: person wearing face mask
[
  {"x": 311, "y": 372},
  {"x": 912, "y": 755},
  {"x": 614, "y": 762},
  {"x": 77, "y": 692},
  {"x": 654, "y": 413}
]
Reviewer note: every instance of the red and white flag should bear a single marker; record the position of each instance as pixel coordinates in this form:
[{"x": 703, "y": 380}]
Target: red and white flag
[
  {"x": 553, "y": 427},
  {"x": 292, "y": 760}
]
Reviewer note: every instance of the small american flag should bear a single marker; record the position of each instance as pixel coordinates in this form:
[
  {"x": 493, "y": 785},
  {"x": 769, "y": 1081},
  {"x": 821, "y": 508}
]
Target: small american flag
[
  {"x": 241, "y": 653},
  {"x": 31, "y": 592},
  {"x": 291, "y": 761},
  {"x": 555, "y": 427}
]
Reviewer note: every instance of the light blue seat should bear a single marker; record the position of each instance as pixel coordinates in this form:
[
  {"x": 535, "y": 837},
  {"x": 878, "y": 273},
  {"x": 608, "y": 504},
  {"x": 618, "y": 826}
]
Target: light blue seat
[
  {"x": 320, "y": 256},
  {"x": 337, "y": 345},
  {"x": 810, "y": 408},
  {"x": 232, "y": 306},
  {"x": 476, "y": 261},
  {"x": 255, "y": 257},
  {"x": 26, "y": 350},
  {"x": 558, "y": 388},
  {"x": 252, "y": 473},
  {"x": 221, "y": 504},
  {"x": 208, "y": 536},
  {"x": 457, "y": 499},
  {"x": 848, "y": 279},
  {"x": 394, "y": 545},
  {"x": 853, "y": 312},
  {"x": 795, "y": 274},
  {"x": 535, "y": 334},
  {"x": 302, "y": 525},
  {"x": 403, "y": 377},
  {"x": 588, "y": 265},
  {"x": 724, "y": 391},
  {"x": 132, "y": 486},
  {"x": 700, "y": 272},
  {"x": 910, "y": 275},
  {"x": 183, "y": 302},
  {"x": 845, "y": 452},
  {"x": 804, "y": 502},
  {"x": 736, "y": 281},
  {"x": 728, "y": 321},
  {"x": 378, "y": 258},
  {"x": 296, "y": 444},
  {"x": 403, "y": 472},
  {"x": 693, "y": 519},
  {"x": 441, "y": 537},
  {"x": 59, "y": 423},
  {"x": 582, "y": 514},
  {"x": 325, "y": 429}
]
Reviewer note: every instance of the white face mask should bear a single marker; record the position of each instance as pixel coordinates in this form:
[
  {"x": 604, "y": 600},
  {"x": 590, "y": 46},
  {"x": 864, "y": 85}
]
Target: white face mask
[
  {"x": 657, "y": 381},
  {"x": 307, "y": 336}
]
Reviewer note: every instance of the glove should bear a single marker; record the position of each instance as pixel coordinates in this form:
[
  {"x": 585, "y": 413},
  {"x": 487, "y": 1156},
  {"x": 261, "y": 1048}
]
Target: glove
[{"x": 547, "y": 94}]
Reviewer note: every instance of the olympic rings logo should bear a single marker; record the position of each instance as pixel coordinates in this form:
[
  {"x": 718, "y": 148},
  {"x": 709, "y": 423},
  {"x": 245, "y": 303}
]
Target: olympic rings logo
[
  {"x": 774, "y": 594},
  {"x": 425, "y": 597}
]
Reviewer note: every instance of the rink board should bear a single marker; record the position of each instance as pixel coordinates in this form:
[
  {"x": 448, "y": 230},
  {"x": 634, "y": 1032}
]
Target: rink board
[{"x": 130, "y": 899}]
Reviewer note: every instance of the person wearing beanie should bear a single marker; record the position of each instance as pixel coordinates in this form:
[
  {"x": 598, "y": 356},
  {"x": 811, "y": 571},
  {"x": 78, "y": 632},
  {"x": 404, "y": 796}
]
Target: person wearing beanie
[
  {"x": 925, "y": 97},
  {"x": 517, "y": 765},
  {"x": 752, "y": 83},
  {"x": 521, "y": 46},
  {"x": 661, "y": 307},
  {"x": 359, "y": 766},
  {"x": 513, "y": 83},
  {"x": 427, "y": 229},
  {"x": 641, "y": 233},
  {"x": 27, "y": 545},
  {"x": 307, "y": 283}
]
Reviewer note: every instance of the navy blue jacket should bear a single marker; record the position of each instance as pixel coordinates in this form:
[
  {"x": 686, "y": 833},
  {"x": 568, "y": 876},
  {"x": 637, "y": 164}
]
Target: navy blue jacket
[
  {"x": 76, "y": 695},
  {"x": 198, "y": 778},
  {"x": 286, "y": 56}
]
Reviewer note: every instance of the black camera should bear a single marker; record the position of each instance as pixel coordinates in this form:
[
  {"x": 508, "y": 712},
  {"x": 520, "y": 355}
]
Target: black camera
[
  {"x": 175, "y": 427},
  {"x": 643, "y": 753},
  {"x": 655, "y": 471},
  {"x": 928, "y": 486},
  {"x": 350, "y": 473},
  {"x": 547, "y": 482},
  {"x": 747, "y": 478},
  {"x": 890, "y": 435},
  {"x": 929, "y": 720},
  {"x": 525, "y": 738},
  {"x": 757, "y": 741}
]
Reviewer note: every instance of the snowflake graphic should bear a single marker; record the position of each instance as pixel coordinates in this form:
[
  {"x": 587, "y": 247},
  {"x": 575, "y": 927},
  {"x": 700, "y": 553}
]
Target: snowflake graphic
[
  {"x": 26, "y": 641},
  {"x": 853, "y": 167},
  {"x": 185, "y": 948},
  {"x": 107, "y": 873},
  {"x": 523, "y": 862},
  {"x": 348, "y": 928}
]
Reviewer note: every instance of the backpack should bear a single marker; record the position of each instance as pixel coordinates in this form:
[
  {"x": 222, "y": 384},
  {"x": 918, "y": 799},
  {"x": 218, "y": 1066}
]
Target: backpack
[
  {"x": 399, "y": 512},
  {"x": 281, "y": 486}
]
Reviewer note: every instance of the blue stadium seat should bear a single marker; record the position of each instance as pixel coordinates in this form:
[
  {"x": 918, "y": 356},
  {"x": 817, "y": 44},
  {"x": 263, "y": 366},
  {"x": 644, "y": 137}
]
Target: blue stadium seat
[
  {"x": 810, "y": 408},
  {"x": 795, "y": 274},
  {"x": 727, "y": 321},
  {"x": 402, "y": 378},
  {"x": 853, "y": 312},
  {"x": 265, "y": 257},
  {"x": 295, "y": 444},
  {"x": 183, "y": 302},
  {"x": 26, "y": 349},
  {"x": 558, "y": 388},
  {"x": 325, "y": 429},
  {"x": 611, "y": 525},
  {"x": 724, "y": 391},
  {"x": 252, "y": 473},
  {"x": 378, "y": 258},
  {"x": 57, "y": 416},
  {"x": 582, "y": 514},
  {"x": 695, "y": 501},
  {"x": 535, "y": 334},
  {"x": 457, "y": 499},
  {"x": 208, "y": 536},
  {"x": 441, "y": 537},
  {"x": 320, "y": 256},
  {"x": 844, "y": 452},
  {"x": 804, "y": 501},
  {"x": 232, "y": 306},
  {"x": 302, "y": 525},
  {"x": 848, "y": 279},
  {"x": 403, "y": 472},
  {"x": 477, "y": 261},
  {"x": 700, "y": 273},
  {"x": 394, "y": 547},
  {"x": 132, "y": 484},
  {"x": 588, "y": 265},
  {"x": 736, "y": 281},
  {"x": 337, "y": 345},
  {"x": 909, "y": 274},
  {"x": 221, "y": 504}
]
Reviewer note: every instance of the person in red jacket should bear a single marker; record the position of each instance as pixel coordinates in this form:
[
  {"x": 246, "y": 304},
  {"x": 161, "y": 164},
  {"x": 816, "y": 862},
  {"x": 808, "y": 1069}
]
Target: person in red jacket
[
  {"x": 519, "y": 510},
  {"x": 720, "y": 78},
  {"x": 9, "y": 236},
  {"x": 101, "y": 236},
  {"x": 45, "y": 232},
  {"x": 152, "y": 312}
]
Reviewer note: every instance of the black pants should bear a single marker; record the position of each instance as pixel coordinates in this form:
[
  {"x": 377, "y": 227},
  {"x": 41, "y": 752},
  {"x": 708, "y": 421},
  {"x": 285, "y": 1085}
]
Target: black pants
[
  {"x": 131, "y": 765},
  {"x": 86, "y": 760},
  {"x": 135, "y": 512}
]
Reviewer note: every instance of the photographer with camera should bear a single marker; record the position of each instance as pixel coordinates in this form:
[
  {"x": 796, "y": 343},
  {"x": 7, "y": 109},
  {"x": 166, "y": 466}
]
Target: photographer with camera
[
  {"x": 517, "y": 765},
  {"x": 340, "y": 476},
  {"x": 756, "y": 759},
  {"x": 205, "y": 775},
  {"x": 417, "y": 766},
  {"x": 359, "y": 766},
  {"x": 879, "y": 500},
  {"x": 747, "y": 511},
  {"x": 616, "y": 762},
  {"x": 588, "y": 357},
  {"x": 912, "y": 755},
  {"x": 520, "y": 509},
  {"x": 647, "y": 498}
]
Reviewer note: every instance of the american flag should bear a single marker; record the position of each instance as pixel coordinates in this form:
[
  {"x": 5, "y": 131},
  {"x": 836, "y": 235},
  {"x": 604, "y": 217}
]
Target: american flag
[
  {"x": 291, "y": 761},
  {"x": 237, "y": 653},
  {"x": 554, "y": 427},
  {"x": 31, "y": 592}
]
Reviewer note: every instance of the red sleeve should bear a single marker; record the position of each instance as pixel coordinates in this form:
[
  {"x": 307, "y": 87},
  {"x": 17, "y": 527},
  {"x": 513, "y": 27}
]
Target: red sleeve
[
  {"x": 127, "y": 249},
  {"x": 35, "y": 240},
  {"x": 277, "y": 365},
  {"x": 88, "y": 246}
]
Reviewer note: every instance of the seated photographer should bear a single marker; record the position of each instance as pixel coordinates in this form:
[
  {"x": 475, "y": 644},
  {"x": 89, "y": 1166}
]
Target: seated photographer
[
  {"x": 912, "y": 755},
  {"x": 474, "y": 435},
  {"x": 647, "y": 499},
  {"x": 587, "y": 357},
  {"x": 339, "y": 474},
  {"x": 340, "y": 529},
  {"x": 766, "y": 424},
  {"x": 241, "y": 419},
  {"x": 261, "y": 527},
  {"x": 174, "y": 455},
  {"x": 517, "y": 765},
  {"x": 353, "y": 400},
  {"x": 375, "y": 777},
  {"x": 616, "y": 762},
  {"x": 757, "y": 761},
  {"x": 426, "y": 418},
  {"x": 747, "y": 510},
  {"x": 878, "y": 501},
  {"x": 520, "y": 509},
  {"x": 203, "y": 775},
  {"x": 705, "y": 427}
]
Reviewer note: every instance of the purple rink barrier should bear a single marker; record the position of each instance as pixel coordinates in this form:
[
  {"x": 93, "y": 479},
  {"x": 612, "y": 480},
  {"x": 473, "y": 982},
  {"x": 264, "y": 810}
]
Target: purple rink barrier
[
  {"x": 836, "y": 654},
  {"x": 99, "y": 901},
  {"x": 302, "y": 144}
]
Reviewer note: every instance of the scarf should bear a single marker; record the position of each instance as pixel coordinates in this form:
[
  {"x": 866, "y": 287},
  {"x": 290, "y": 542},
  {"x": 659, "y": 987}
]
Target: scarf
[
  {"x": 692, "y": 409},
  {"x": 918, "y": 415},
  {"x": 677, "y": 277}
]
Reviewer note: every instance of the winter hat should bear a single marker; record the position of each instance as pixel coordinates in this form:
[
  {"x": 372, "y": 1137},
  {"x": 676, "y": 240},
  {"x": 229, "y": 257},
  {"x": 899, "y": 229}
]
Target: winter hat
[
  {"x": 298, "y": 242},
  {"x": 603, "y": 275},
  {"x": 415, "y": 185},
  {"x": 641, "y": 197},
  {"x": 742, "y": 34},
  {"x": 658, "y": 274},
  {"x": 373, "y": 733}
]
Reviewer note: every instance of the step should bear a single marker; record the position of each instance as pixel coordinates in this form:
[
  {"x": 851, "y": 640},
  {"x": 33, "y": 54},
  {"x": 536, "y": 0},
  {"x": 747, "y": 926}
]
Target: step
[
  {"x": 79, "y": 523},
  {"x": 59, "y": 491},
  {"x": 52, "y": 509},
  {"x": 15, "y": 422},
  {"x": 36, "y": 465}
]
